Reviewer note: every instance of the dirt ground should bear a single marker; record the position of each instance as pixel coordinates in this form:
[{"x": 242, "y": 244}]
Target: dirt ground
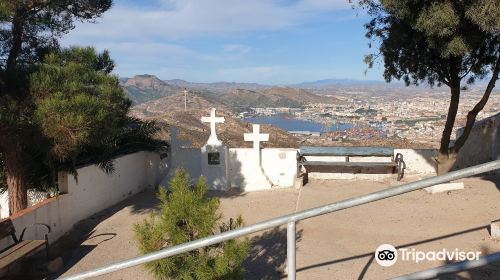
[{"x": 339, "y": 245}]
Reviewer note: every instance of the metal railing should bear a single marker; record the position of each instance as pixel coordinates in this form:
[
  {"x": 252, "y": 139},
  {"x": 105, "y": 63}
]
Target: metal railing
[
  {"x": 290, "y": 221},
  {"x": 451, "y": 268}
]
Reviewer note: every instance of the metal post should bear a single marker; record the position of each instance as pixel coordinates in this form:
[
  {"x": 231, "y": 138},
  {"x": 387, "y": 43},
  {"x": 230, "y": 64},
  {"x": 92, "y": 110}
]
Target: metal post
[
  {"x": 290, "y": 250},
  {"x": 185, "y": 100}
]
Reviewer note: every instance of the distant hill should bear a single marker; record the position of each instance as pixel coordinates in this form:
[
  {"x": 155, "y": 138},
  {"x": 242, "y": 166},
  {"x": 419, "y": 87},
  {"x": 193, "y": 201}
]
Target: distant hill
[
  {"x": 301, "y": 96},
  {"x": 144, "y": 88},
  {"x": 217, "y": 87},
  {"x": 273, "y": 97},
  {"x": 337, "y": 82},
  {"x": 175, "y": 102},
  {"x": 152, "y": 96}
]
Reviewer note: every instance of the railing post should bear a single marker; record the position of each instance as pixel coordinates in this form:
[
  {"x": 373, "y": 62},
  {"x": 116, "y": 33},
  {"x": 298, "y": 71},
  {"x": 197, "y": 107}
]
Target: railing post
[{"x": 290, "y": 250}]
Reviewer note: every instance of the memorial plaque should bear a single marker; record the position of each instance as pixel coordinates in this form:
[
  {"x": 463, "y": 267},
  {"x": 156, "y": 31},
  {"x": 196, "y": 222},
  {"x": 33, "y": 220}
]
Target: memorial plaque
[{"x": 213, "y": 158}]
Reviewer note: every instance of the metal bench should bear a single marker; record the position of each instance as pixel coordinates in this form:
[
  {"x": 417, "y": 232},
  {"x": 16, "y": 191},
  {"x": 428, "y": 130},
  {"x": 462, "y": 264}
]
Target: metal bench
[
  {"x": 20, "y": 248},
  {"x": 396, "y": 163}
]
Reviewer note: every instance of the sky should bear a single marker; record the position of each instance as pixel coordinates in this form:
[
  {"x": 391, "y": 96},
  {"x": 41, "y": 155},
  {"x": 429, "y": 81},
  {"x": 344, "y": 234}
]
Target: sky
[{"x": 261, "y": 41}]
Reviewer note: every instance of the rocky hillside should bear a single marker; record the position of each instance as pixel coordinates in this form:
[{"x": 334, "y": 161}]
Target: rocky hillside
[
  {"x": 273, "y": 97},
  {"x": 230, "y": 133},
  {"x": 218, "y": 87},
  {"x": 144, "y": 88},
  {"x": 175, "y": 102}
]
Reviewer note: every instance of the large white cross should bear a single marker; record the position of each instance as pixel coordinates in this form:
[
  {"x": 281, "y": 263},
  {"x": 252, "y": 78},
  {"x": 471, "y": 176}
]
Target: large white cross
[
  {"x": 213, "y": 120},
  {"x": 256, "y": 137},
  {"x": 259, "y": 178}
]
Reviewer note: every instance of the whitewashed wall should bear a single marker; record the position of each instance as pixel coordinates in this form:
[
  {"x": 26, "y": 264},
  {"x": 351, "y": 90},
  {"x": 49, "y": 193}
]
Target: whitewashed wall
[
  {"x": 278, "y": 165},
  {"x": 184, "y": 157},
  {"x": 93, "y": 192},
  {"x": 34, "y": 197},
  {"x": 419, "y": 161},
  {"x": 189, "y": 159}
]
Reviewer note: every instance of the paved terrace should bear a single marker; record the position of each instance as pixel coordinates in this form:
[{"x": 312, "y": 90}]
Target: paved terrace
[{"x": 338, "y": 245}]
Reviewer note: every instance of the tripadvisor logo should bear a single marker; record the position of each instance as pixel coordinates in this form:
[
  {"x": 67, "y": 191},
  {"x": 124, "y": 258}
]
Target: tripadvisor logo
[{"x": 387, "y": 255}]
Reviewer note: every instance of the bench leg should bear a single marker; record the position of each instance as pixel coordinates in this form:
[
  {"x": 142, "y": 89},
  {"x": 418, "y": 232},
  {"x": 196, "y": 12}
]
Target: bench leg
[
  {"x": 302, "y": 173},
  {"x": 401, "y": 166}
]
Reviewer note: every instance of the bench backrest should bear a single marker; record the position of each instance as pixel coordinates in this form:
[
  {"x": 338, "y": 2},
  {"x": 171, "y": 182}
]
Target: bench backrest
[
  {"x": 347, "y": 151},
  {"x": 6, "y": 228}
]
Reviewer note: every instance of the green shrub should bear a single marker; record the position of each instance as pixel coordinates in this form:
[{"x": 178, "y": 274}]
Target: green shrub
[{"x": 187, "y": 213}]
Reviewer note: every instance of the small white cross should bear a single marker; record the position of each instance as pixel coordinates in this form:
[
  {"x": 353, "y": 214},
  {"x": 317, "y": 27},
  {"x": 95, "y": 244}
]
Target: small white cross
[
  {"x": 256, "y": 137},
  {"x": 213, "y": 120}
]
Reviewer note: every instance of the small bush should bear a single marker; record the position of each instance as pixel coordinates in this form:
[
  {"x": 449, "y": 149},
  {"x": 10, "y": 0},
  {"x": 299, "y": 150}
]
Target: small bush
[{"x": 187, "y": 213}]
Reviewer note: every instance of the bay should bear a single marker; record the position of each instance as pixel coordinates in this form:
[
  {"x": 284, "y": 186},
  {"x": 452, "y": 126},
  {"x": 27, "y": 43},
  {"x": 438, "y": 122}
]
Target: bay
[{"x": 292, "y": 124}]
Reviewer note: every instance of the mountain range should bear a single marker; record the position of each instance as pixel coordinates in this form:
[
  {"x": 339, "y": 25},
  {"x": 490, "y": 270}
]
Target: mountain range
[
  {"x": 154, "y": 94},
  {"x": 337, "y": 82}
]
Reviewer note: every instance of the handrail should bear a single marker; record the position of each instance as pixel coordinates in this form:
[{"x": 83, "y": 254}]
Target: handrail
[
  {"x": 451, "y": 268},
  {"x": 288, "y": 219}
]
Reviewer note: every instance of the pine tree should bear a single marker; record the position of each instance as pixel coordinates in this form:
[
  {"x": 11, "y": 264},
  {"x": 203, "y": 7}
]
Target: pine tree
[
  {"x": 452, "y": 43},
  {"x": 29, "y": 30},
  {"x": 186, "y": 214},
  {"x": 58, "y": 107}
]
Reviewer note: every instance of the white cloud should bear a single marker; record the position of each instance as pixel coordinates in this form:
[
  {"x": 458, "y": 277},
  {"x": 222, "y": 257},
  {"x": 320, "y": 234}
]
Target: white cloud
[
  {"x": 146, "y": 39},
  {"x": 187, "y": 18},
  {"x": 150, "y": 49},
  {"x": 237, "y": 48}
]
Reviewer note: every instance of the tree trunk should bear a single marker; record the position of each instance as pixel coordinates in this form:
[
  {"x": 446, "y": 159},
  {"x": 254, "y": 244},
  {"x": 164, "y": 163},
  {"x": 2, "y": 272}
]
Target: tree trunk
[
  {"x": 471, "y": 116},
  {"x": 16, "y": 183},
  {"x": 445, "y": 159},
  {"x": 445, "y": 163},
  {"x": 17, "y": 40}
]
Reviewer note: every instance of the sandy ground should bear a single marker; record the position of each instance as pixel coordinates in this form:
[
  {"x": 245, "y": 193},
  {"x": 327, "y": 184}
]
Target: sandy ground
[{"x": 335, "y": 246}]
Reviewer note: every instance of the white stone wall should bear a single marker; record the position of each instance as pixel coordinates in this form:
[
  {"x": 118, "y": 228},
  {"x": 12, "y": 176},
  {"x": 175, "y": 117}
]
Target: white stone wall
[
  {"x": 93, "y": 192},
  {"x": 33, "y": 198},
  {"x": 278, "y": 165},
  {"x": 419, "y": 161},
  {"x": 483, "y": 144},
  {"x": 187, "y": 158}
]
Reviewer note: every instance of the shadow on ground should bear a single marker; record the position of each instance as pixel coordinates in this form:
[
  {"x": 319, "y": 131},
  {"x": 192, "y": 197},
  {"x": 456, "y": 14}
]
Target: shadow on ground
[
  {"x": 489, "y": 271},
  {"x": 495, "y": 179},
  {"x": 267, "y": 258},
  {"x": 71, "y": 246},
  {"x": 486, "y": 272}
]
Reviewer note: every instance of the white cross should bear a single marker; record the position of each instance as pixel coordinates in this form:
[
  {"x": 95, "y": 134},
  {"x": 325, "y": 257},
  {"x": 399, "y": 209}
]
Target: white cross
[
  {"x": 213, "y": 120},
  {"x": 256, "y": 137}
]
